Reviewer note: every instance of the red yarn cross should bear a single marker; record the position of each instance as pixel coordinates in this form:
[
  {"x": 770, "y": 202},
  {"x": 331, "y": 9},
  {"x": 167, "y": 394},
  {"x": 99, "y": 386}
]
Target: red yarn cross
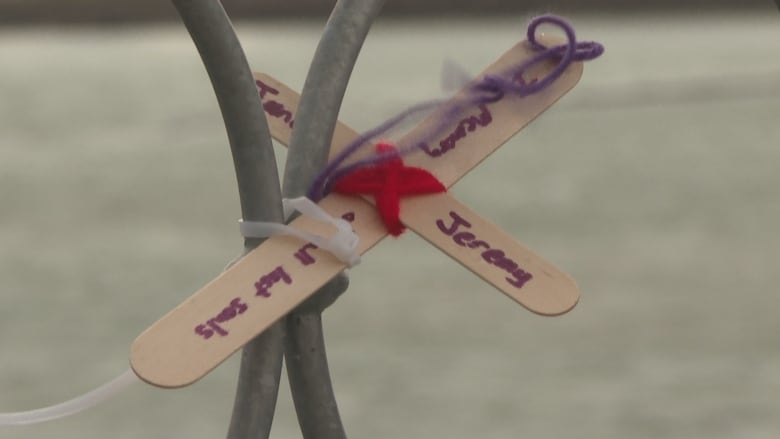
[{"x": 388, "y": 182}]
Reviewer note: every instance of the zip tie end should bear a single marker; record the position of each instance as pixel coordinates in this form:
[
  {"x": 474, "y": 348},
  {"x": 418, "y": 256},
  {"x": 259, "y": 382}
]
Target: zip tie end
[{"x": 343, "y": 245}]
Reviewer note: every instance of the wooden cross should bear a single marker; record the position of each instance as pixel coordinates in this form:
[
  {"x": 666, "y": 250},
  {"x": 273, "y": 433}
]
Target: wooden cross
[{"x": 269, "y": 282}]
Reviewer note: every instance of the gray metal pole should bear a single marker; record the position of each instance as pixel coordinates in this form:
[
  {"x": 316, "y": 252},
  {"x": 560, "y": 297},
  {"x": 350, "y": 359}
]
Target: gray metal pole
[
  {"x": 323, "y": 92},
  {"x": 324, "y": 89},
  {"x": 258, "y": 188}
]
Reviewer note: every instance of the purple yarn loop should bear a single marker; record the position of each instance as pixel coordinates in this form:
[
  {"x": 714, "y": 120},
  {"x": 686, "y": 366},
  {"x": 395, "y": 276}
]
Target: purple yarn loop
[{"x": 491, "y": 88}]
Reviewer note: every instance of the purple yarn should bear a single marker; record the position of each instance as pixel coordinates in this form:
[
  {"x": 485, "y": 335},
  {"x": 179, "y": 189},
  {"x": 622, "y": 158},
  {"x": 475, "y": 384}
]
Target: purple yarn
[
  {"x": 330, "y": 173},
  {"x": 490, "y": 89}
]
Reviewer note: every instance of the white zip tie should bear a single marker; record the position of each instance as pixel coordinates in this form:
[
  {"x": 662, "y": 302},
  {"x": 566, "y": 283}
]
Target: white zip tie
[
  {"x": 73, "y": 406},
  {"x": 342, "y": 245}
]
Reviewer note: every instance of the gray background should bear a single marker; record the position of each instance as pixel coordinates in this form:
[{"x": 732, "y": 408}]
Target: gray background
[
  {"x": 654, "y": 183},
  {"x": 103, "y": 12}
]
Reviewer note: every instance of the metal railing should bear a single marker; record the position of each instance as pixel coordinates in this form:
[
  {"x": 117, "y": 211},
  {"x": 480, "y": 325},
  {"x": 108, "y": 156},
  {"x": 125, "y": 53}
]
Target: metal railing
[{"x": 298, "y": 337}]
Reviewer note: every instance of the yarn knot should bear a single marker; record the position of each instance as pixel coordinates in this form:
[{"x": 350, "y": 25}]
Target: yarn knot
[{"x": 388, "y": 181}]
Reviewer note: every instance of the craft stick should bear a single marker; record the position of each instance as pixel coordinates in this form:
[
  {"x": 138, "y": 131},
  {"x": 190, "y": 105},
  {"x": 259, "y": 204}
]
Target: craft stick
[
  {"x": 205, "y": 329},
  {"x": 451, "y": 162},
  {"x": 251, "y": 295},
  {"x": 462, "y": 234}
]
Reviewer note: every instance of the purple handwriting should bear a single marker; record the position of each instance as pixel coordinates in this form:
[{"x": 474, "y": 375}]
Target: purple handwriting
[
  {"x": 470, "y": 124},
  {"x": 236, "y": 307},
  {"x": 262, "y": 289},
  {"x": 491, "y": 255},
  {"x": 465, "y": 126},
  {"x": 303, "y": 254},
  {"x": 211, "y": 326},
  {"x": 274, "y": 108},
  {"x": 265, "y": 282}
]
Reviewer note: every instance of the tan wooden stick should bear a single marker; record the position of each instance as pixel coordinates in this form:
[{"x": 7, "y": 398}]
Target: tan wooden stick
[
  {"x": 551, "y": 292},
  {"x": 266, "y": 284}
]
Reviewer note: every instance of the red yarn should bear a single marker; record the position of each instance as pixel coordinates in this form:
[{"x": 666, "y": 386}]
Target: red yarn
[{"x": 388, "y": 182}]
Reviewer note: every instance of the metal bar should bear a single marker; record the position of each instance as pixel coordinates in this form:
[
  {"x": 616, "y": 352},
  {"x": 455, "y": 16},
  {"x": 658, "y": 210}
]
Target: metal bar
[
  {"x": 307, "y": 365},
  {"x": 324, "y": 89},
  {"x": 258, "y": 188},
  {"x": 323, "y": 92}
]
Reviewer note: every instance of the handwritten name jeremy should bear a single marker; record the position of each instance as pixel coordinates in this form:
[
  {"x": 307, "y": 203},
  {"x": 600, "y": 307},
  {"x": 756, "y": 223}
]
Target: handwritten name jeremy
[{"x": 458, "y": 228}]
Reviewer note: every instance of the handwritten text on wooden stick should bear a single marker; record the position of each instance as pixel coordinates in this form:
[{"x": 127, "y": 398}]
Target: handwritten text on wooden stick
[{"x": 171, "y": 354}]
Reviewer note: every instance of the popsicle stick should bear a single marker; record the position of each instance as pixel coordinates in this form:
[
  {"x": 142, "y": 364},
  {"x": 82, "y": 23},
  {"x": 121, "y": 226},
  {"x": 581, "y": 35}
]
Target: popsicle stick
[
  {"x": 490, "y": 253},
  {"x": 267, "y": 283},
  {"x": 462, "y": 234},
  {"x": 270, "y": 281},
  {"x": 462, "y": 149}
]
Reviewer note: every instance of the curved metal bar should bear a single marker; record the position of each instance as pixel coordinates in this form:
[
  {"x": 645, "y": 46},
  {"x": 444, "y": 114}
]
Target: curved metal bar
[
  {"x": 324, "y": 89},
  {"x": 258, "y": 188},
  {"x": 323, "y": 92},
  {"x": 307, "y": 365}
]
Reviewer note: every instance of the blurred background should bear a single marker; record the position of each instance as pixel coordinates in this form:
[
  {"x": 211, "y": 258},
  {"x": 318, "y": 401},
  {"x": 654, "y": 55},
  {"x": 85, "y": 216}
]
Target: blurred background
[
  {"x": 654, "y": 183},
  {"x": 92, "y": 11}
]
